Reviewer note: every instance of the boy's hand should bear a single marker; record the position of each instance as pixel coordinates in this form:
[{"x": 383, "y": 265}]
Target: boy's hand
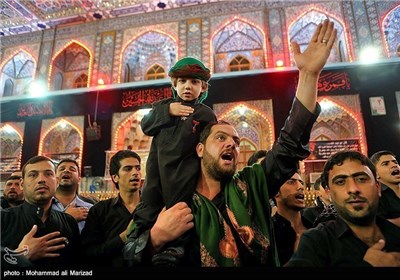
[{"x": 179, "y": 110}]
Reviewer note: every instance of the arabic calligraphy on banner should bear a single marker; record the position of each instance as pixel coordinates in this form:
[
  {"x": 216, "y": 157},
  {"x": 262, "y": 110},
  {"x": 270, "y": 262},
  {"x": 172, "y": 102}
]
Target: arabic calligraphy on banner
[
  {"x": 324, "y": 149},
  {"x": 133, "y": 98},
  {"x": 333, "y": 81},
  {"x": 35, "y": 109}
]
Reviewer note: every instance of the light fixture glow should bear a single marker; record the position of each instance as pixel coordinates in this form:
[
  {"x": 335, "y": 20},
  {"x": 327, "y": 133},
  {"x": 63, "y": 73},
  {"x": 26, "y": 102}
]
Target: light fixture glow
[
  {"x": 369, "y": 55},
  {"x": 37, "y": 88}
]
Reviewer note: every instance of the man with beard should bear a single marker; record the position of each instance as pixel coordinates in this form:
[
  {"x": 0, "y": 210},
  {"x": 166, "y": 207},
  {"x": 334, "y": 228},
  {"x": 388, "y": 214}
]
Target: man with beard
[
  {"x": 105, "y": 231},
  {"x": 45, "y": 237},
  {"x": 231, "y": 212},
  {"x": 12, "y": 194},
  {"x": 289, "y": 223},
  {"x": 357, "y": 237},
  {"x": 388, "y": 172},
  {"x": 66, "y": 198}
]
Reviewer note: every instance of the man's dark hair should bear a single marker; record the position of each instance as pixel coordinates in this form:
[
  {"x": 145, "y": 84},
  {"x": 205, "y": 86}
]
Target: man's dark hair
[
  {"x": 14, "y": 177},
  {"x": 207, "y": 130},
  {"x": 69, "y": 160},
  {"x": 317, "y": 184},
  {"x": 34, "y": 160},
  {"x": 256, "y": 156},
  {"x": 115, "y": 161},
  {"x": 375, "y": 157},
  {"x": 338, "y": 159},
  {"x": 298, "y": 172}
]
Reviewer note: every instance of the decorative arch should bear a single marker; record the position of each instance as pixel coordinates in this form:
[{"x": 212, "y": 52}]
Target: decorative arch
[
  {"x": 346, "y": 111},
  {"x": 148, "y": 48},
  {"x": 302, "y": 28},
  {"x": 223, "y": 44},
  {"x": 390, "y": 32},
  {"x": 252, "y": 125},
  {"x": 70, "y": 76},
  {"x": 61, "y": 140},
  {"x": 129, "y": 134},
  {"x": 11, "y": 148},
  {"x": 19, "y": 69}
]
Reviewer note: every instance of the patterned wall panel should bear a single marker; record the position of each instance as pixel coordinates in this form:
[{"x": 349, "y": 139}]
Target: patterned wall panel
[{"x": 194, "y": 38}]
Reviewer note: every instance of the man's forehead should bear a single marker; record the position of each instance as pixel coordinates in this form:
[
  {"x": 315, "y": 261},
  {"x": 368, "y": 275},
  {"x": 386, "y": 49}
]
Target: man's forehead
[
  {"x": 41, "y": 165},
  {"x": 67, "y": 164},
  {"x": 13, "y": 181},
  {"x": 129, "y": 161},
  {"x": 225, "y": 128},
  {"x": 349, "y": 167},
  {"x": 386, "y": 158},
  {"x": 296, "y": 176}
]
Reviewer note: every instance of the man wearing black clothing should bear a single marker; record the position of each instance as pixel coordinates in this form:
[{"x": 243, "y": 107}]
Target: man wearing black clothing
[
  {"x": 357, "y": 237},
  {"x": 46, "y": 238},
  {"x": 388, "y": 173},
  {"x": 104, "y": 234}
]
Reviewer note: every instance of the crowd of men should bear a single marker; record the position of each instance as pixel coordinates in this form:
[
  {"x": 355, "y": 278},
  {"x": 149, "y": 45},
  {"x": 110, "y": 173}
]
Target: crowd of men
[{"x": 225, "y": 219}]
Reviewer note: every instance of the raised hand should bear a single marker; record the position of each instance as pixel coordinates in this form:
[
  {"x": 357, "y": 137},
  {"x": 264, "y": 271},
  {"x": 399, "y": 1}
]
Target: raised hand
[
  {"x": 311, "y": 62},
  {"x": 317, "y": 52}
]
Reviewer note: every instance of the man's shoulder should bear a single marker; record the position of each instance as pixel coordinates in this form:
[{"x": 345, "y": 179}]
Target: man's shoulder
[{"x": 105, "y": 204}]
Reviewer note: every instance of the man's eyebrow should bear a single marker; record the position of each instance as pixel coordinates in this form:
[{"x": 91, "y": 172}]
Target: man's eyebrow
[{"x": 342, "y": 176}]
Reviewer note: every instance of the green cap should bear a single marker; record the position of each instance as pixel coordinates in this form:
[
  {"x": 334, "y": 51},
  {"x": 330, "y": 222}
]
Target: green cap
[{"x": 190, "y": 67}]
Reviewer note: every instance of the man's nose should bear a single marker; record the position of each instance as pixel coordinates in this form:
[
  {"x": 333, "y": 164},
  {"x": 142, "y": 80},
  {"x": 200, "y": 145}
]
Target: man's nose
[{"x": 352, "y": 186}]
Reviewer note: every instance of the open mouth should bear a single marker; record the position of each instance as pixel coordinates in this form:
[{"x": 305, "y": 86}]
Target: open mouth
[
  {"x": 300, "y": 197},
  {"x": 134, "y": 180},
  {"x": 228, "y": 157},
  {"x": 65, "y": 177},
  {"x": 395, "y": 172}
]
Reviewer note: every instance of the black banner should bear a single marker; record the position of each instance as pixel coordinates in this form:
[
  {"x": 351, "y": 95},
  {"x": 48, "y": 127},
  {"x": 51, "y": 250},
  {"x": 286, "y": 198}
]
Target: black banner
[{"x": 324, "y": 149}]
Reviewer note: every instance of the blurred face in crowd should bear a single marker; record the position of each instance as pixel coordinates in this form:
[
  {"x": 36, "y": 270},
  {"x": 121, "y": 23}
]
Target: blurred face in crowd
[
  {"x": 68, "y": 176},
  {"x": 39, "y": 182},
  {"x": 388, "y": 170},
  {"x": 291, "y": 194},
  {"x": 12, "y": 190},
  {"x": 129, "y": 175},
  {"x": 354, "y": 192},
  {"x": 220, "y": 151}
]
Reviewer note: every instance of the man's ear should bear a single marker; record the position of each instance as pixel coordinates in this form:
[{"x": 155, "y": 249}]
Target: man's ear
[
  {"x": 200, "y": 150},
  {"x": 115, "y": 178},
  {"x": 204, "y": 87},
  {"x": 379, "y": 186}
]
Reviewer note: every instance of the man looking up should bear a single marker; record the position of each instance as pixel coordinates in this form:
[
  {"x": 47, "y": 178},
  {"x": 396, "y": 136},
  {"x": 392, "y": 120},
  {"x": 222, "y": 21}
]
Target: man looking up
[
  {"x": 66, "y": 197},
  {"x": 388, "y": 173}
]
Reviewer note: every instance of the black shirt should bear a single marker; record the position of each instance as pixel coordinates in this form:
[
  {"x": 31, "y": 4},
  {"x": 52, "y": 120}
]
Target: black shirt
[
  {"x": 17, "y": 221},
  {"x": 389, "y": 203},
  {"x": 100, "y": 236},
  {"x": 285, "y": 236},
  {"x": 333, "y": 244},
  {"x": 5, "y": 204}
]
